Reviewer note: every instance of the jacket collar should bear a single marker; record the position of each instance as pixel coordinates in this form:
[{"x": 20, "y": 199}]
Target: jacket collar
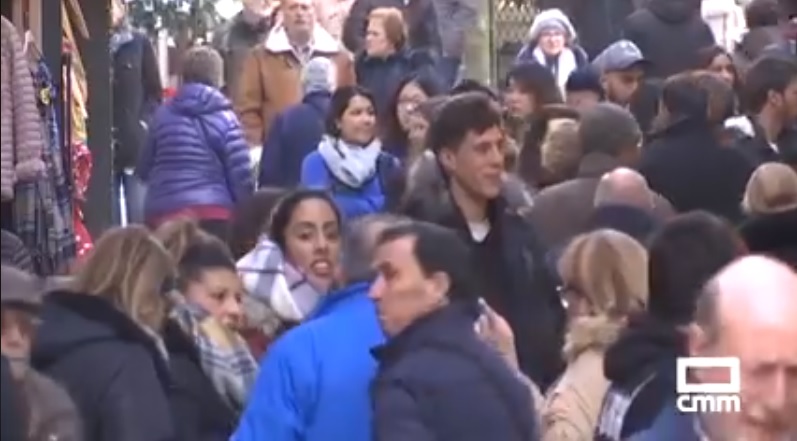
[
  {"x": 595, "y": 165},
  {"x": 336, "y": 300},
  {"x": 322, "y": 41},
  {"x": 444, "y": 324}
]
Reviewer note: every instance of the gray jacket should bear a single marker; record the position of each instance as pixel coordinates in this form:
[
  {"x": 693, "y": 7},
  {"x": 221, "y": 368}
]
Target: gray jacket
[
  {"x": 53, "y": 415},
  {"x": 455, "y": 18}
]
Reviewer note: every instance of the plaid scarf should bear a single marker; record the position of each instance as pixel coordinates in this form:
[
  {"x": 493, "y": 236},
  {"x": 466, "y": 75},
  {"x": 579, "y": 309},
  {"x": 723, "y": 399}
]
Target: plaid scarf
[
  {"x": 223, "y": 355},
  {"x": 277, "y": 291}
]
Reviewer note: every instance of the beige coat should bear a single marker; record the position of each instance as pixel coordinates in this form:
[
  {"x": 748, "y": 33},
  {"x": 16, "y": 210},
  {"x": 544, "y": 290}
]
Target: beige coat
[
  {"x": 573, "y": 405},
  {"x": 270, "y": 80},
  {"x": 21, "y": 130},
  {"x": 53, "y": 415}
]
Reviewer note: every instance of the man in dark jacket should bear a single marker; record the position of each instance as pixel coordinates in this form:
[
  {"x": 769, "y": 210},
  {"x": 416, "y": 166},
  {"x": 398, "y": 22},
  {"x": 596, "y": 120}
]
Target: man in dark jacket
[
  {"x": 419, "y": 15},
  {"x": 468, "y": 142},
  {"x": 13, "y": 427},
  {"x": 670, "y": 33},
  {"x": 234, "y": 41},
  {"x": 137, "y": 92},
  {"x": 770, "y": 100},
  {"x": 437, "y": 379}
]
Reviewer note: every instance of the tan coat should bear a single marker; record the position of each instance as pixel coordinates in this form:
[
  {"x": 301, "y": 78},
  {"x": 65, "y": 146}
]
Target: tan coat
[
  {"x": 53, "y": 415},
  {"x": 271, "y": 79},
  {"x": 573, "y": 405},
  {"x": 21, "y": 130}
]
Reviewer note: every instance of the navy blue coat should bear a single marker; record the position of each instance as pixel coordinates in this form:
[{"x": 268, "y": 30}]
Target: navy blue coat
[
  {"x": 438, "y": 381},
  {"x": 294, "y": 134},
  {"x": 112, "y": 369},
  {"x": 382, "y": 76},
  {"x": 195, "y": 154}
]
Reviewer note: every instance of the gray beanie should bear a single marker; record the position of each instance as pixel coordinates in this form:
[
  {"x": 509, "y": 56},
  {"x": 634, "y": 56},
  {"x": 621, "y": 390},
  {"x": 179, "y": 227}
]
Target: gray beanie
[
  {"x": 19, "y": 287},
  {"x": 204, "y": 65},
  {"x": 317, "y": 75}
]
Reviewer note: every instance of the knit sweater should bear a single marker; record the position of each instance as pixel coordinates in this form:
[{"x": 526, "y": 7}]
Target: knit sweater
[{"x": 21, "y": 132}]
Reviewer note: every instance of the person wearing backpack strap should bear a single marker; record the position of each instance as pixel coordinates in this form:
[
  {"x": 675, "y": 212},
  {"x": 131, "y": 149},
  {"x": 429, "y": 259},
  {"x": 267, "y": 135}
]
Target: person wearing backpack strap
[{"x": 349, "y": 161}]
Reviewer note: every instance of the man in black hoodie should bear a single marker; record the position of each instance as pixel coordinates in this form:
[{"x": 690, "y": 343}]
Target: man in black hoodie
[{"x": 670, "y": 34}]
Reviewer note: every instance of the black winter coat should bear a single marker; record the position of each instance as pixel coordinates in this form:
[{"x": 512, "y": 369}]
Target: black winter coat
[
  {"x": 670, "y": 33},
  {"x": 112, "y": 369},
  {"x": 437, "y": 381},
  {"x": 13, "y": 427},
  {"x": 382, "y": 76},
  {"x": 687, "y": 166},
  {"x": 418, "y": 14},
  {"x": 199, "y": 412},
  {"x": 137, "y": 93},
  {"x": 774, "y": 234}
]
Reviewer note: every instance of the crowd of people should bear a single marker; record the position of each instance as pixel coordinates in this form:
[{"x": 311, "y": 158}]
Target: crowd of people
[{"x": 412, "y": 257}]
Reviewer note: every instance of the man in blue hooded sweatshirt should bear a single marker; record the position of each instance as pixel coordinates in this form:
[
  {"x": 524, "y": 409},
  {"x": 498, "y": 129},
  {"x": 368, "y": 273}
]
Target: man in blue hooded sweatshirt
[{"x": 314, "y": 381}]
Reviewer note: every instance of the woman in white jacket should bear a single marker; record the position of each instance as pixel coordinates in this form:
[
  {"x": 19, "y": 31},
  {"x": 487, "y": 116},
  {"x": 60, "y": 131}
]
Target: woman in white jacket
[{"x": 726, "y": 20}]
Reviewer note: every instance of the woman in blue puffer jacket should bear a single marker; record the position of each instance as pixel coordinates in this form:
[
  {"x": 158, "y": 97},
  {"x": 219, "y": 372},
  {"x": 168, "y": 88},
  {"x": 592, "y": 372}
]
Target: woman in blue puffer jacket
[{"x": 196, "y": 163}]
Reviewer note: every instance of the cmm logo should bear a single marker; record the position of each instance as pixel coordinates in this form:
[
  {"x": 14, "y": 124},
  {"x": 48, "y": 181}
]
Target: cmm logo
[{"x": 708, "y": 397}]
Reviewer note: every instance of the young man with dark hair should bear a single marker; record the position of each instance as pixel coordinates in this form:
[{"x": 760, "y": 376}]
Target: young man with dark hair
[
  {"x": 427, "y": 301},
  {"x": 468, "y": 141},
  {"x": 770, "y": 101}
]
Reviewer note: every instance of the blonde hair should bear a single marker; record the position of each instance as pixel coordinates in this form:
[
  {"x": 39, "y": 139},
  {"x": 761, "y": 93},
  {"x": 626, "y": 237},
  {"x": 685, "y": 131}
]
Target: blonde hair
[
  {"x": 771, "y": 189},
  {"x": 610, "y": 270},
  {"x": 179, "y": 234},
  {"x": 561, "y": 146},
  {"x": 392, "y": 21},
  {"x": 129, "y": 268}
]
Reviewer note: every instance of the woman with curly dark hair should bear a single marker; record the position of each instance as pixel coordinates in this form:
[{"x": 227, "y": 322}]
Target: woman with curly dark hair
[{"x": 527, "y": 89}]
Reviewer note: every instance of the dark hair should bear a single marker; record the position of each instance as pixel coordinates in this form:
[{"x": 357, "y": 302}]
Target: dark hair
[
  {"x": 530, "y": 160},
  {"x": 392, "y": 132},
  {"x": 585, "y": 79},
  {"x": 468, "y": 85},
  {"x": 762, "y": 13},
  {"x": 431, "y": 107},
  {"x": 537, "y": 81},
  {"x": 460, "y": 115},
  {"x": 439, "y": 250},
  {"x": 608, "y": 129},
  {"x": 707, "y": 55},
  {"x": 683, "y": 256},
  {"x": 283, "y": 212},
  {"x": 340, "y": 101},
  {"x": 768, "y": 74},
  {"x": 698, "y": 97},
  {"x": 251, "y": 219}
]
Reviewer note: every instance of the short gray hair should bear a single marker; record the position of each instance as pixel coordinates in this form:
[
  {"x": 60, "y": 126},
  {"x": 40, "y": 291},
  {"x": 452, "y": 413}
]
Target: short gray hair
[
  {"x": 359, "y": 243},
  {"x": 203, "y": 65}
]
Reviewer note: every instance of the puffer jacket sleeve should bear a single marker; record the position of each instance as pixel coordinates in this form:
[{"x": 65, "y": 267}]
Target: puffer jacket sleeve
[
  {"x": 286, "y": 385},
  {"x": 237, "y": 163},
  {"x": 23, "y": 136},
  {"x": 135, "y": 406}
]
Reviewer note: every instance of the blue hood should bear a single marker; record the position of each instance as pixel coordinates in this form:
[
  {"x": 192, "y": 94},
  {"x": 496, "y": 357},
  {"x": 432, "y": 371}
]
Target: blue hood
[{"x": 196, "y": 99}]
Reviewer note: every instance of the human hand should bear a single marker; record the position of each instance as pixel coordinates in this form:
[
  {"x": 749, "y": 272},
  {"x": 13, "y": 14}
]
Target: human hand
[{"x": 496, "y": 332}]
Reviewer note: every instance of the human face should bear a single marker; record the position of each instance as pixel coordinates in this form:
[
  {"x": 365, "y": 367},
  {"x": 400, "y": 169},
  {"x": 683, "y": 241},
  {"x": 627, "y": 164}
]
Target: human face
[
  {"x": 409, "y": 98},
  {"x": 358, "y": 123},
  {"x": 582, "y": 99},
  {"x": 620, "y": 86},
  {"x": 401, "y": 292},
  {"x": 298, "y": 16},
  {"x": 118, "y": 12},
  {"x": 552, "y": 42},
  {"x": 723, "y": 67},
  {"x": 312, "y": 241},
  {"x": 18, "y": 329},
  {"x": 376, "y": 41},
  {"x": 477, "y": 164},
  {"x": 219, "y": 291},
  {"x": 519, "y": 104},
  {"x": 787, "y": 101},
  {"x": 768, "y": 380}
]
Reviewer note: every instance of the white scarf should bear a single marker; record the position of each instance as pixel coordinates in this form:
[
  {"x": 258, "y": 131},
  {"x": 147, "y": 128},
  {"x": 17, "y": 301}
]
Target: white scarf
[
  {"x": 351, "y": 164},
  {"x": 566, "y": 64}
]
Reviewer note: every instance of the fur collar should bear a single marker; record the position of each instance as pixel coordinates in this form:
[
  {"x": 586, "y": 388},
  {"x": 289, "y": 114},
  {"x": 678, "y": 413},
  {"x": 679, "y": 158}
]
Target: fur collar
[
  {"x": 322, "y": 43},
  {"x": 591, "y": 333}
]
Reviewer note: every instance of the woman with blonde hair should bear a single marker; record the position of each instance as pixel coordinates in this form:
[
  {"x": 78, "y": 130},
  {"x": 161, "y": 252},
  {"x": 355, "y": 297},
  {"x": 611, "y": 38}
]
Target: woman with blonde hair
[
  {"x": 212, "y": 366},
  {"x": 100, "y": 338},
  {"x": 605, "y": 281},
  {"x": 770, "y": 202}
]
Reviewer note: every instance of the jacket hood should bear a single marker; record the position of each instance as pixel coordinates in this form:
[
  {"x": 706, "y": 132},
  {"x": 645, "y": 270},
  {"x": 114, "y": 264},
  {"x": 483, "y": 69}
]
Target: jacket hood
[
  {"x": 771, "y": 232},
  {"x": 196, "y": 99},
  {"x": 319, "y": 99},
  {"x": 548, "y": 16},
  {"x": 674, "y": 11},
  {"x": 644, "y": 344},
  {"x": 754, "y": 42},
  {"x": 596, "y": 333},
  {"x": 71, "y": 321}
]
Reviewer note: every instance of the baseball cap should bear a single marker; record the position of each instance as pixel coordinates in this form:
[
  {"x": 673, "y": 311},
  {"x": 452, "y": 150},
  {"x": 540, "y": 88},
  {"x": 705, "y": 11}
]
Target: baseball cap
[{"x": 621, "y": 55}]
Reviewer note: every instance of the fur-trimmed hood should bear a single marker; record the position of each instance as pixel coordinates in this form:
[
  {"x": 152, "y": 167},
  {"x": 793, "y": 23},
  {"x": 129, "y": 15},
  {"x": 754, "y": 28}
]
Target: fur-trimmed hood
[{"x": 591, "y": 333}]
